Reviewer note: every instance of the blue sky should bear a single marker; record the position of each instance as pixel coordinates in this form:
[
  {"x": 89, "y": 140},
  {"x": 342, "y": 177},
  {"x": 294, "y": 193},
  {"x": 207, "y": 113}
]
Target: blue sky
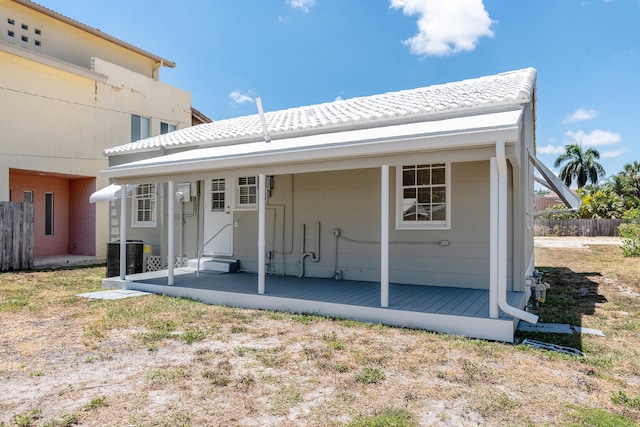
[{"x": 300, "y": 52}]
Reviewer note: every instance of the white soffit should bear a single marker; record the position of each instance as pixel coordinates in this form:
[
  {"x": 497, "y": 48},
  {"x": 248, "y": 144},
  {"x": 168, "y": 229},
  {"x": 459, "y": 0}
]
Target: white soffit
[
  {"x": 554, "y": 183},
  {"x": 109, "y": 193},
  {"x": 359, "y": 143}
]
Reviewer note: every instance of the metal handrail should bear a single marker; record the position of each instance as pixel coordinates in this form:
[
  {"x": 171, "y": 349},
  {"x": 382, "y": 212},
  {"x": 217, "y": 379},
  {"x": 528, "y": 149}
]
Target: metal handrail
[{"x": 205, "y": 244}]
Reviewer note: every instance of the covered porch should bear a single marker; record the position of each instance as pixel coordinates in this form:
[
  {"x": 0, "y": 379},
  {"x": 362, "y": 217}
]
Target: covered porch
[
  {"x": 458, "y": 311},
  {"x": 489, "y": 308}
]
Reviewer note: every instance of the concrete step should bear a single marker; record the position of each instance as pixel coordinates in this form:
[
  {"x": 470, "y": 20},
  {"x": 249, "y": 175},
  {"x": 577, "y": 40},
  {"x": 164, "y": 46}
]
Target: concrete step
[{"x": 216, "y": 264}]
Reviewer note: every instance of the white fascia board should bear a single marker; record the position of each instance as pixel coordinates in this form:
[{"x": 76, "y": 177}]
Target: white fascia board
[
  {"x": 454, "y": 133},
  {"x": 570, "y": 199},
  {"x": 51, "y": 62}
]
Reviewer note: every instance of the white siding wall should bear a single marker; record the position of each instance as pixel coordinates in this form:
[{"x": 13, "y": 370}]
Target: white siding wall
[{"x": 349, "y": 200}]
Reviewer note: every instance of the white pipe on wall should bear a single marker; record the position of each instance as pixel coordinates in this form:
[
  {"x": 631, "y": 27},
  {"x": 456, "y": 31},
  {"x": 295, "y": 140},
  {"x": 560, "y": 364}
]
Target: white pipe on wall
[
  {"x": 501, "y": 162},
  {"x": 170, "y": 233},
  {"x": 384, "y": 236},
  {"x": 262, "y": 195},
  {"x": 315, "y": 257}
]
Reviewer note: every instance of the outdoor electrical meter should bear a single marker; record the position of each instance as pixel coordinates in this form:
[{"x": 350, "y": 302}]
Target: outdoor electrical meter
[{"x": 185, "y": 189}]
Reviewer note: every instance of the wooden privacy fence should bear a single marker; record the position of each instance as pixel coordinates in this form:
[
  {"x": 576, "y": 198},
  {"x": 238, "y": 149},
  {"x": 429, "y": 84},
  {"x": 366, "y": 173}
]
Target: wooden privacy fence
[
  {"x": 576, "y": 227},
  {"x": 16, "y": 236}
]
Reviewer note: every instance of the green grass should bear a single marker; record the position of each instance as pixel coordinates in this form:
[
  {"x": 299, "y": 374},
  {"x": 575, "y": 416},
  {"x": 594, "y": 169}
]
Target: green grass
[
  {"x": 190, "y": 337},
  {"x": 389, "y": 418},
  {"x": 594, "y": 417},
  {"x": 39, "y": 290},
  {"x": 28, "y": 418},
  {"x": 95, "y": 403},
  {"x": 370, "y": 375},
  {"x": 67, "y": 420},
  {"x": 621, "y": 398},
  {"x": 166, "y": 375},
  {"x": 284, "y": 399},
  {"x": 243, "y": 351}
]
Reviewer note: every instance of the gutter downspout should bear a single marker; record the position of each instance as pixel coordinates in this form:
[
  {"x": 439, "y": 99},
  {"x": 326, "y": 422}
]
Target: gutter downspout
[
  {"x": 501, "y": 261},
  {"x": 494, "y": 200}
]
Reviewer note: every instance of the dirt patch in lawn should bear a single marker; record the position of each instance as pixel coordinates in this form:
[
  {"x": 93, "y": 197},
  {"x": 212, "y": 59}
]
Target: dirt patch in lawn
[{"x": 160, "y": 361}]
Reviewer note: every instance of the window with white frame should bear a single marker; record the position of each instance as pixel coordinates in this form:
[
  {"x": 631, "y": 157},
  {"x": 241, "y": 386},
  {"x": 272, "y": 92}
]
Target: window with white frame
[
  {"x": 166, "y": 127},
  {"x": 144, "y": 206},
  {"x": 218, "y": 194},
  {"x": 423, "y": 196},
  {"x": 247, "y": 191},
  {"x": 140, "y": 127}
]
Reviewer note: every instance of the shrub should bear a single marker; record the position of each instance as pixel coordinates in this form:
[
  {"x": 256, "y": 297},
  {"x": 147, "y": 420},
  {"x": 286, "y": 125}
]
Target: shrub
[
  {"x": 602, "y": 204},
  {"x": 559, "y": 211},
  {"x": 632, "y": 214},
  {"x": 630, "y": 234}
]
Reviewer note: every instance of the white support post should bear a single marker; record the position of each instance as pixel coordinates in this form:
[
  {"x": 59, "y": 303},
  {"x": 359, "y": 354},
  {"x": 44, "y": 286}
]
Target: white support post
[
  {"x": 384, "y": 236},
  {"x": 123, "y": 232},
  {"x": 493, "y": 239},
  {"x": 170, "y": 232},
  {"x": 262, "y": 200}
]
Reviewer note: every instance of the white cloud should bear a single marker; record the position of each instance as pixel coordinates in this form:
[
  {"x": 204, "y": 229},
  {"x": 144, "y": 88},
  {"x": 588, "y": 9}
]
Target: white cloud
[
  {"x": 240, "y": 98},
  {"x": 338, "y": 98},
  {"x": 303, "y": 5},
  {"x": 550, "y": 149},
  {"x": 446, "y": 27},
  {"x": 595, "y": 138},
  {"x": 612, "y": 154},
  {"x": 580, "y": 114}
]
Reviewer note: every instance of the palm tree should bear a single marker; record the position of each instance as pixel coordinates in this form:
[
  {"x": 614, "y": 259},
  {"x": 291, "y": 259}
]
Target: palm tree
[
  {"x": 579, "y": 165},
  {"x": 627, "y": 183},
  {"x": 630, "y": 175}
]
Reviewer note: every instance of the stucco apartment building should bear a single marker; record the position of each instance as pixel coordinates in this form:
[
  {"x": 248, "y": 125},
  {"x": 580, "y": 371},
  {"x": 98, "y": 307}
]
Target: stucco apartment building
[{"x": 69, "y": 91}]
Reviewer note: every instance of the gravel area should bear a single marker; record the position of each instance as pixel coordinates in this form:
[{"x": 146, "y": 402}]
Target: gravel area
[{"x": 574, "y": 241}]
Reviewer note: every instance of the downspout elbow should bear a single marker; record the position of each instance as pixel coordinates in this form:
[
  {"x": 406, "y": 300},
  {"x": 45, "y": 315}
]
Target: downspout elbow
[
  {"x": 514, "y": 311},
  {"x": 501, "y": 161}
]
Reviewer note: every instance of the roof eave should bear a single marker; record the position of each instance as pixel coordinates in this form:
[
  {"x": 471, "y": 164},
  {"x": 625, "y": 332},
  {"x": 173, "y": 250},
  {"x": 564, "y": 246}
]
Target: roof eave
[
  {"x": 354, "y": 144},
  {"x": 51, "y": 62},
  {"x": 95, "y": 32}
]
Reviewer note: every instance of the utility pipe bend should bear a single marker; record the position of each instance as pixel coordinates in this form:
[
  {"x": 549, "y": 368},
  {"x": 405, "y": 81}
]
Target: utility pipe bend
[{"x": 315, "y": 257}]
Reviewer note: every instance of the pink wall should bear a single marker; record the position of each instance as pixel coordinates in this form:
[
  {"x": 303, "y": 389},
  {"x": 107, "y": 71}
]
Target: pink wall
[
  {"x": 58, "y": 243},
  {"x": 82, "y": 217}
]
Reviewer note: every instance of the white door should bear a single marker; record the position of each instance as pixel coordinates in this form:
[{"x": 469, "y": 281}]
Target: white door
[{"x": 218, "y": 217}]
